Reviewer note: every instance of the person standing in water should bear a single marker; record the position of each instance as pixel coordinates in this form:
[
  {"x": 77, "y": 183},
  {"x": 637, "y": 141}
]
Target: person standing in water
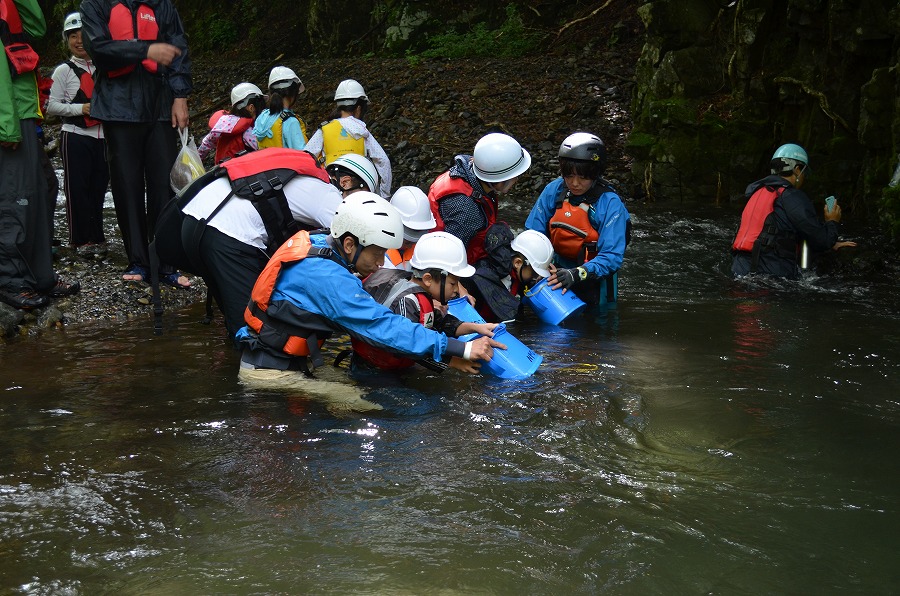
[{"x": 779, "y": 217}]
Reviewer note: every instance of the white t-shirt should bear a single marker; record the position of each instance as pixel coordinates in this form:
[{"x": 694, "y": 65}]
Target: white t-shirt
[{"x": 311, "y": 202}]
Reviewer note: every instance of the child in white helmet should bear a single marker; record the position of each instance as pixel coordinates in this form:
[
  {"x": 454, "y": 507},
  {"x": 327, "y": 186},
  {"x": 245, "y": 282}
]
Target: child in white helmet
[
  {"x": 345, "y": 132},
  {"x": 415, "y": 210},
  {"x": 278, "y": 125},
  {"x": 421, "y": 295},
  {"x": 231, "y": 133}
]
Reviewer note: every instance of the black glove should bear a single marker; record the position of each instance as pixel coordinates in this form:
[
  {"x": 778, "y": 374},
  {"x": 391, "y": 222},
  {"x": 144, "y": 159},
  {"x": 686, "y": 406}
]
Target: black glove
[{"x": 569, "y": 277}]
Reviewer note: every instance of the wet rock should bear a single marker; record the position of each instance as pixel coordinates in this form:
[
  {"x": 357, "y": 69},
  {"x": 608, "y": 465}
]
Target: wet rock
[{"x": 10, "y": 318}]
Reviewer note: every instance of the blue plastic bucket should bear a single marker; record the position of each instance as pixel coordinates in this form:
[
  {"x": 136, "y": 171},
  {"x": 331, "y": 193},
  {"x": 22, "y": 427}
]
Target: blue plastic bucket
[
  {"x": 462, "y": 310},
  {"x": 552, "y": 306},
  {"x": 517, "y": 361}
]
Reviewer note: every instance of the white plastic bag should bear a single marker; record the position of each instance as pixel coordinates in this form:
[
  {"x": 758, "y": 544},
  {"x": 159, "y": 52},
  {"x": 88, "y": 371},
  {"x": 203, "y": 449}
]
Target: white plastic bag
[{"x": 188, "y": 165}]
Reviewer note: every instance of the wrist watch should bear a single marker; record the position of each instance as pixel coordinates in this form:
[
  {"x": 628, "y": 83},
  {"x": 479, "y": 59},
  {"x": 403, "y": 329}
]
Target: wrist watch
[{"x": 582, "y": 273}]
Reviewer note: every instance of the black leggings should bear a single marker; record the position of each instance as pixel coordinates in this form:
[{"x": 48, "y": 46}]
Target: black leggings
[{"x": 86, "y": 179}]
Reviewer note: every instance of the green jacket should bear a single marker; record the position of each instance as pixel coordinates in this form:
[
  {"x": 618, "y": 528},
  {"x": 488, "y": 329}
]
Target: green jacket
[{"x": 22, "y": 89}]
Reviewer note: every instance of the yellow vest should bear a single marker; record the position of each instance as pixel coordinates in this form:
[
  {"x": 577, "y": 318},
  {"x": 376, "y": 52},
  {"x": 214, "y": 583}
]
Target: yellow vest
[
  {"x": 276, "y": 139},
  {"x": 337, "y": 142}
]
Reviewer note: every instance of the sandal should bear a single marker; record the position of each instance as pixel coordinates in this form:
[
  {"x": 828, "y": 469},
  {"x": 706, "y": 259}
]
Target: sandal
[
  {"x": 174, "y": 279},
  {"x": 136, "y": 273}
]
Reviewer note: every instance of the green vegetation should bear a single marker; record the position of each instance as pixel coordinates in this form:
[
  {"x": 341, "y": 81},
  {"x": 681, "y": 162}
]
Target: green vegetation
[{"x": 510, "y": 40}]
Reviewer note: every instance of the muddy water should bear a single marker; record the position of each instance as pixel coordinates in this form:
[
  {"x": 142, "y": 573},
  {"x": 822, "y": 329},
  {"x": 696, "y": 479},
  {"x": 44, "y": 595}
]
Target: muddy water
[{"x": 706, "y": 437}]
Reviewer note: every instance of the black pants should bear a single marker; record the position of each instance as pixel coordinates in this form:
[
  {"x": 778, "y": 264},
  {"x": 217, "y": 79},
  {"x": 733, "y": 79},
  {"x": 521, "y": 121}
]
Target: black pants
[
  {"x": 141, "y": 156},
  {"x": 85, "y": 182},
  {"x": 229, "y": 268},
  {"x": 26, "y": 262}
]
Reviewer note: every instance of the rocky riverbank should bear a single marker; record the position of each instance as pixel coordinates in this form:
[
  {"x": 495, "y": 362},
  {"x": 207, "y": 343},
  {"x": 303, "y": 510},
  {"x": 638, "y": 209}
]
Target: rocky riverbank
[{"x": 423, "y": 113}]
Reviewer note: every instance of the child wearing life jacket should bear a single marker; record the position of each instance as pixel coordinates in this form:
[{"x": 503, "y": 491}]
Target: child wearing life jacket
[
  {"x": 585, "y": 220},
  {"x": 415, "y": 211},
  {"x": 421, "y": 295},
  {"x": 278, "y": 125},
  {"x": 231, "y": 133},
  {"x": 82, "y": 146},
  {"x": 345, "y": 132}
]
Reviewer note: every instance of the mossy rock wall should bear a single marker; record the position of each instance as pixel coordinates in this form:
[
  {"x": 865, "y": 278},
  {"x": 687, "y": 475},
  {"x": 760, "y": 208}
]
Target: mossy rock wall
[{"x": 721, "y": 85}]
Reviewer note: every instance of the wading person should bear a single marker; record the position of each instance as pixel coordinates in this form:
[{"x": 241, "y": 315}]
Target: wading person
[
  {"x": 779, "y": 217},
  {"x": 586, "y": 221},
  {"x": 310, "y": 290},
  {"x": 464, "y": 202}
]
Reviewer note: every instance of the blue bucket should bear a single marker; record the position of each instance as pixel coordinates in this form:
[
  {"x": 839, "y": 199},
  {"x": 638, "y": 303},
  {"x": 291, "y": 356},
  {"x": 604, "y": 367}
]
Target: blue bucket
[
  {"x": 517, "y": 361},
  {"x": 552, "y": 306},
  {"x": 462, "y": 310}
]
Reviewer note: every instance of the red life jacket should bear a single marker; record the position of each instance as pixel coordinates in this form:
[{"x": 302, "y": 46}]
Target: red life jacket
[
  {"x": 125, "y": 25},
  {"x": 85, "y": 92},
  {"x": 446, "y": 185},
  {"x": 753, "y": 219},
  {"x": 22, "y": 57},
  {"x": 382, "y": 285},
  {"x": 230, "y": 143},
  {"x": 292, "y": 340},
  {"x": 260, "y": 177},
  {"x": 571, "y": 232}
]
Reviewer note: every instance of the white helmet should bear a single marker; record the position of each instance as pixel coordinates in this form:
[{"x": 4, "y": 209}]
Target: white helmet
[
  {"x": 71, "y": 23},
  {"x": 370, "y": 218},
  {"x": 537, "y": 250},
  {"x": 415, "y": 210},
  {"x": 444, "y": 251},
  {"x": 281, "y": 77},
  {"x": 348, "y": 92},
  {"x": 244, "y": 91},
  {"x": 360, "y": 166},
  {"x": 499, "y": 157}
]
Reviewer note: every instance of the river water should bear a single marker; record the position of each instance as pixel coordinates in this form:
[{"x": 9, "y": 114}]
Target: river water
[{"x": 705, "y": 437}]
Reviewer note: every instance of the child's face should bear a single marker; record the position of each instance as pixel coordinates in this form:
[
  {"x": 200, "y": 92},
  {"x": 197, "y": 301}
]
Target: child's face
[
  {"x": 527, "y": 275},
  {"x": 451, "y": 286},
  {"x": 578, "y": 185}
]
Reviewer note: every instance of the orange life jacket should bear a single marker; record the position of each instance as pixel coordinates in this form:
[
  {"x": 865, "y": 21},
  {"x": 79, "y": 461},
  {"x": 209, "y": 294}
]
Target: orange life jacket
[
  {"x": 125, "y": 25},
  {"x": 385, "y": 291},
  {"x": 446, "y": 185},
  {"x": 85, "y": 91},
  {"x": 571, "y": 232},
  {"x": 292, "y": 340},
  {"x": 22, "y": 57},
  {"x": 397, "y": 258}
]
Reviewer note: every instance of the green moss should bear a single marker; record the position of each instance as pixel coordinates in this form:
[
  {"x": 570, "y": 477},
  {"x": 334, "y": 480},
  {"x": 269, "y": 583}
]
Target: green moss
[{"x": 889, "y": 210}]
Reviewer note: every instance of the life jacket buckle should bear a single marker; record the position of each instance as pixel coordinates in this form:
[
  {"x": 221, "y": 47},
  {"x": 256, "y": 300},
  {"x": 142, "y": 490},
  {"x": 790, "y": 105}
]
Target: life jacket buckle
[
  {"x": 275, "y": 183},
  {"x": 256, "y": 188}
]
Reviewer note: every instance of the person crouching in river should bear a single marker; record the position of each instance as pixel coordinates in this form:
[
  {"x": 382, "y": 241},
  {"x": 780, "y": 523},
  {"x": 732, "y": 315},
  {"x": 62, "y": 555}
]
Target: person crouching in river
[
  {"x": 421, "y": 294},
  {"x": 779, "y": 217},
  {"x": 310, "y": 289}
]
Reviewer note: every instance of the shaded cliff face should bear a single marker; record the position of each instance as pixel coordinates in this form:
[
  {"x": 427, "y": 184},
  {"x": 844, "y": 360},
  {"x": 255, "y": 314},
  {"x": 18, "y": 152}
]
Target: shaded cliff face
[{"x": 720, "y": 85}]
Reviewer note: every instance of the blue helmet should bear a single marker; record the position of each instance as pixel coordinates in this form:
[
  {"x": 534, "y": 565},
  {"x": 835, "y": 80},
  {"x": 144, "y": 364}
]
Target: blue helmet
[{"x": 792, "y": 151}]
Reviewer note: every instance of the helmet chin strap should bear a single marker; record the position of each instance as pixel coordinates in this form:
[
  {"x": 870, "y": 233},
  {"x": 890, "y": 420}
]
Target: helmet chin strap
[{"x": 443, "y": 297}]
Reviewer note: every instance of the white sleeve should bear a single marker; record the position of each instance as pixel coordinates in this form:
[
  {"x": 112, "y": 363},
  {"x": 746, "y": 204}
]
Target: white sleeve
[
  {"x": 65, "y": 87},
  {"x": 381, "y": 162},
  {"x": 312, "y": 201}
]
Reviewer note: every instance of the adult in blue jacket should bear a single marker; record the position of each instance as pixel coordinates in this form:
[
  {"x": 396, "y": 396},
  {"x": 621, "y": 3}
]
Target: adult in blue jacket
[
  {"x": 585, "y": 220},
  {"x": 306, "y": 293}
]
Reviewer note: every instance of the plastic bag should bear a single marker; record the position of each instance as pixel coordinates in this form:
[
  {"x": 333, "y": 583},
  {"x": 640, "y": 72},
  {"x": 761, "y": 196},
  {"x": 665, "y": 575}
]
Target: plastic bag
[{"x": 188, "y": 165}]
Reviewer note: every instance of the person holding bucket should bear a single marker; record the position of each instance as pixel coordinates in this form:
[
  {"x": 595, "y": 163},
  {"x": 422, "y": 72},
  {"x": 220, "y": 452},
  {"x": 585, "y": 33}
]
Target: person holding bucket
[
  {"x": 586, "y": 221},
  {"x": 421, "y": 295}
]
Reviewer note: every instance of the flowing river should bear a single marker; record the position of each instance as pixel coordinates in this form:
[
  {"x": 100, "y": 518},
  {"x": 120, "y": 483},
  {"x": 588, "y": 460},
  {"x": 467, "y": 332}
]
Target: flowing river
[{"x": 705, "y": 437}]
